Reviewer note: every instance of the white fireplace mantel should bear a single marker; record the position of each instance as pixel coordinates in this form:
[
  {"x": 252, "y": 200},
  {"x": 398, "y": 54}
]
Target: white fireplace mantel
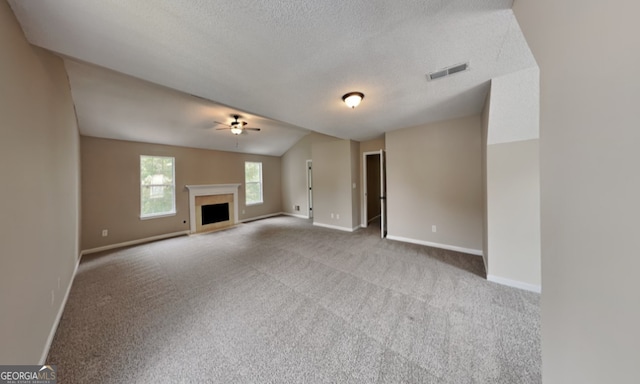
[{"x": 207, "y": 190}]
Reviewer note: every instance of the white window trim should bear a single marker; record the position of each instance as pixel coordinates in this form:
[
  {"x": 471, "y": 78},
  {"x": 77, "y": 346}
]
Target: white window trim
[
  {"x": 158, "y": 216},
  {"x": 261, "y": 183},
  {"x": 173, "y": 212}
]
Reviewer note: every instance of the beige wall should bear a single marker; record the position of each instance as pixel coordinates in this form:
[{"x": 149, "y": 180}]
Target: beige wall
[
  {"x": 111, "y": 187},
  {"x": 512, "y": 183},
  {"x": 371, "y": 145},
  {"x": 513, "y": 213},
  {"x": 332, "y": 191},
  {"x": 294, "y": 173},
  {"x": 39, "y": 166},
  {"x": 485, "y": 223},
  {"x": 590, "y": 185},
  {"x": 294, "y": 177},
  {"x": 434, "y": 177},
  {"x": 355, "y": 183}
]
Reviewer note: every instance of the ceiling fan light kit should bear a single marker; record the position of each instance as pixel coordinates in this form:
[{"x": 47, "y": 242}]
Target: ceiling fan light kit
[
  {"x": 353, "y": 99},
  {"x": 237, "y": 126}
]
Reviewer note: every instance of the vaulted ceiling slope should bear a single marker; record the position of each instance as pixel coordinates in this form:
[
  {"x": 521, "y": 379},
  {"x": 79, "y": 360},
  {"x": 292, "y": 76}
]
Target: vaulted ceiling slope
[
  {"x": 291, "y": 61},
  {"x": 116, "y": 106}
]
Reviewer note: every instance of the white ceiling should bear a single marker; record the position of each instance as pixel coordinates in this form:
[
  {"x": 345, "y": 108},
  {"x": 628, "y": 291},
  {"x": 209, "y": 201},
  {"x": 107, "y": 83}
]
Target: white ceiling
[
  {"x": 287, "y": 61},
  {"x": 116, "y": 106}
]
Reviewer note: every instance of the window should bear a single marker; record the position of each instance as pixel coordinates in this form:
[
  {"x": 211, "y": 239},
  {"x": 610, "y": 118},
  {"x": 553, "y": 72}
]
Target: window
[
  {"x": 253, "y": 182},
  {"x": 157, "y": 186}
]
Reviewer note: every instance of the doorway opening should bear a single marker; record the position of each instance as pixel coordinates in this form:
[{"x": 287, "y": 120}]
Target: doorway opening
[{"x": 374, "y": 191}]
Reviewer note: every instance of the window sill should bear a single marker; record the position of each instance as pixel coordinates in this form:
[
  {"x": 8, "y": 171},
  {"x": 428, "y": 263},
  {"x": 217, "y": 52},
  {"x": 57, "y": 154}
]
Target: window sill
[
  {"x": 157, "y": 216},
  {"x": 251, "y": 204}
]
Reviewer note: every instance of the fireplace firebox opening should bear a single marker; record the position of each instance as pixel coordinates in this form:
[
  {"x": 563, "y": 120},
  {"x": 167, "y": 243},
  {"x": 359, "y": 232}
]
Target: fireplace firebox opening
[{"x": 215, "y": 213}]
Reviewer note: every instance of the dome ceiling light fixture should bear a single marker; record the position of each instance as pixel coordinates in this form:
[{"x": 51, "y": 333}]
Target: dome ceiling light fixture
[{"x": 353, "y": 99}]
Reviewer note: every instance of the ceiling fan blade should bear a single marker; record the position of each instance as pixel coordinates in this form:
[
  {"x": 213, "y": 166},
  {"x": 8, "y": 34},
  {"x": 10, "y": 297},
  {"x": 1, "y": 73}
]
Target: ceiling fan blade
[
  {"x": 244, "y": 132},
  {"x": 253, "y": 129},
  {"x": 219, "y": 123}
]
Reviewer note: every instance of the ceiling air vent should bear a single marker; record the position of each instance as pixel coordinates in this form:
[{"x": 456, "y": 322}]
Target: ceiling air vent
[
  {"x": 437, "y": 75},
  {"x": 448, "y": 71}
]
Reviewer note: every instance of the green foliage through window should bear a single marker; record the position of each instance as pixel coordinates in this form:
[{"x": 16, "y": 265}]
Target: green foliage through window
[
  {"x": 157, "y": 186},
  {"x": 253, "y": 182}
]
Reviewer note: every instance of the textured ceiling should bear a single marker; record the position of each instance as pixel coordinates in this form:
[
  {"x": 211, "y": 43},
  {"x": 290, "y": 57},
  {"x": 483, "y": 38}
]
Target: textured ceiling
[{"x": 290, "y": 61}]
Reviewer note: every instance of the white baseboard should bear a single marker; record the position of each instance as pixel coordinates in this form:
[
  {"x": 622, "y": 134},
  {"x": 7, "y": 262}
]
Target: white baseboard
[
  {"x": 470, "y": 251},
  {"x": 515, "y": 284},
  {"x": 56, "y": 322},
  {"x": 295, "y": 215},
  {"x": 260, "y": 217},
  {"x": 345, "y": 229},
  {"x": 134, "y": 242}
]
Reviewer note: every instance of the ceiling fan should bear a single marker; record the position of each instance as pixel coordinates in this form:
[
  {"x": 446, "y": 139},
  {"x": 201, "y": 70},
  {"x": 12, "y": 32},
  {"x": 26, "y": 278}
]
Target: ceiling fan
[{"x": 237, "y": 127}]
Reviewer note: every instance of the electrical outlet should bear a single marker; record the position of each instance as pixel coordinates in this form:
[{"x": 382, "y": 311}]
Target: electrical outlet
[
  {"x": 243, "y": 211},
  {"x": 354, "y": 185},
  {"x": 105, "y": 232},
  {"x": 434, "y": 229},
  {"x": 337, "y": 216},
  {"x": 332, "y": 215}
]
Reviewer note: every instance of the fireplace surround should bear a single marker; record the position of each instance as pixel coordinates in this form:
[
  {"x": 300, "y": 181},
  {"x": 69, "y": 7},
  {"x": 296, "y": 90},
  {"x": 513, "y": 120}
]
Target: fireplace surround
[{"x": 212, "y": 194}]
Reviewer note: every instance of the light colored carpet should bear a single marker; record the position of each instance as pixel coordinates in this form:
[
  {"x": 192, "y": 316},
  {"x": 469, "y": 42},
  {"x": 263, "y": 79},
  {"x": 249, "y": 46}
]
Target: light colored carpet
[{"x": 281, "y": 301}]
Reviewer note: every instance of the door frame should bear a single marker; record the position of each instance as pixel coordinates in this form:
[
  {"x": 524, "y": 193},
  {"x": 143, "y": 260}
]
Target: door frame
[
  {"x": 309, "y": 172},
  {"x": 384, "y": 217}
]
